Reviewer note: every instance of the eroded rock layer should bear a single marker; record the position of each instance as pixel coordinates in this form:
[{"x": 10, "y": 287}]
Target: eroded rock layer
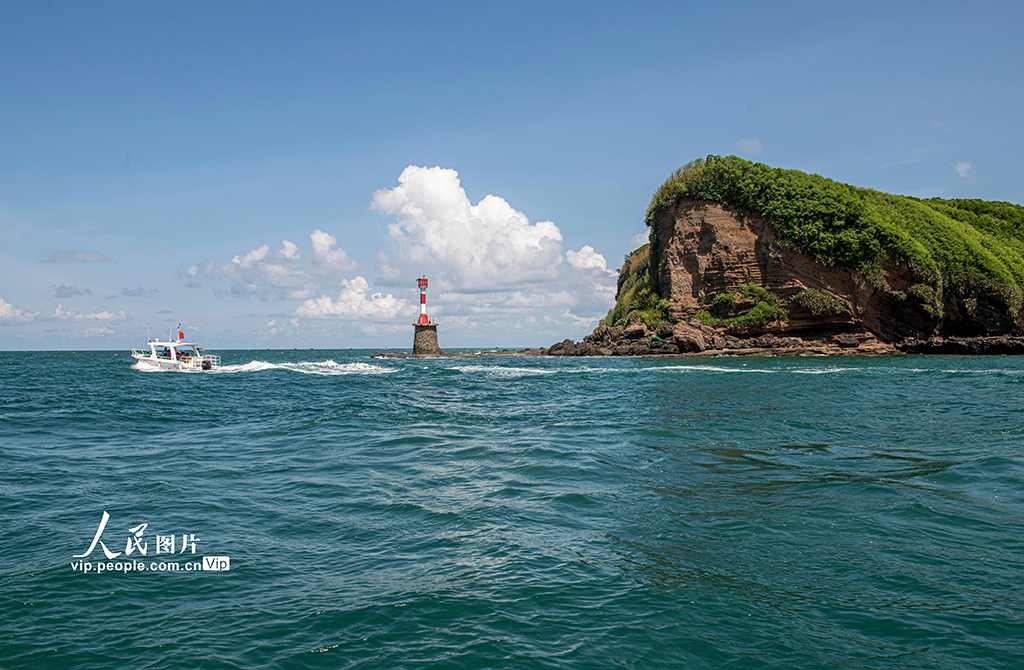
[
  {"x": 705, "y": 250},
  {"x": 703, "y": 254}
]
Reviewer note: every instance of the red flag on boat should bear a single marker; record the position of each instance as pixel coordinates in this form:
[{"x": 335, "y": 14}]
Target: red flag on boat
[{"x": 181, "y": 335}]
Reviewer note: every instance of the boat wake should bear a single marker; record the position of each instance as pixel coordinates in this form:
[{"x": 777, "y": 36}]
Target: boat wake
[{"x": 324, "y": 368}]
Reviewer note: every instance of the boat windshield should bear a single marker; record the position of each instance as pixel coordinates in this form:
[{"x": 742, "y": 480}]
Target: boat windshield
[{"x": 180, "y": 352}]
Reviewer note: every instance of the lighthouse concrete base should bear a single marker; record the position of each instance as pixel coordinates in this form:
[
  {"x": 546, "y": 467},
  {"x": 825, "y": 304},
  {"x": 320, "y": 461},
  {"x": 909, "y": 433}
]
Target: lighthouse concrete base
[{"x": 425, "y": 340}]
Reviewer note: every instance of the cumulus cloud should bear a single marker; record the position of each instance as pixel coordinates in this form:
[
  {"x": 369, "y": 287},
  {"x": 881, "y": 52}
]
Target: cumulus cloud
[
  {"x": 586, "y": 257},
  {"x": 11, "y": 315},
  {"x": 65, "y": 291},
  {"x": 507, "y": 303},
  {"x": 325, "y": 259},
  {"x": 140, "y": 292},
  {"x": 353, "y": 302},
  {"x": 63, "y": 314},
  {"x": 963, "y": 170},
  {"x": 490, "y": 267},
  {"x": 487, "y": 245},
  {"x": 78, "y": 255},
  {"x": 750, "y": 145},
  {"x": 283, "y": 274},
  {"x": 487, "y": 259}
]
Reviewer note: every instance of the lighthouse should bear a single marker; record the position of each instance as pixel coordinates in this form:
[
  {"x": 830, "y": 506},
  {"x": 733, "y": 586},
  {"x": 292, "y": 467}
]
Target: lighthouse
[
  {"x": 422, "y": 283},
  {"x": 425, "y": 339}
]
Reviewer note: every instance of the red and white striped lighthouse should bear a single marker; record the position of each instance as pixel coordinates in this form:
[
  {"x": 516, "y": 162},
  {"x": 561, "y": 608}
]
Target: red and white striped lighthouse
[
  {"x": 424, "y": 342},
  {"x": 422, "y": 281}
]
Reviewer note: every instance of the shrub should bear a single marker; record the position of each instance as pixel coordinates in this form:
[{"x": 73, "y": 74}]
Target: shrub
[
  {"x": 649, "y": 307},
  {"x": 723, "y": 299},
  {"x": 766, "y": 309},
  {"x": 819, "y": 302},
  {"x": 757, "y": 293},
  {"x": 634, "y": 275}
]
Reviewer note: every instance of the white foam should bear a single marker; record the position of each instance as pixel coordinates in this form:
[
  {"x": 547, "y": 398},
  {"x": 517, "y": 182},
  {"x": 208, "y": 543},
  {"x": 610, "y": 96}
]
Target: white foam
[
  {"x": 708, "y": 368},
  {"x": 323, "y": 368},
  {"x": 500, "y": 371}
]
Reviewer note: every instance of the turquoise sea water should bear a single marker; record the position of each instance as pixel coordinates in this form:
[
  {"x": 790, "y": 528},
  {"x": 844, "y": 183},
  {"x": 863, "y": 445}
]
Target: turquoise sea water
[{"x": 515, "y": 512}]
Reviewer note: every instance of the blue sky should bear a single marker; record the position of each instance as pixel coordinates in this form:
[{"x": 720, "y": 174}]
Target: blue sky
[{"x": 265, "y": 174}]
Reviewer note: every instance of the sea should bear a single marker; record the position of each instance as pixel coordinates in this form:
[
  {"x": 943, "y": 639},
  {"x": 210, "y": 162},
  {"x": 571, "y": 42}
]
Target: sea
[{"x": 324, "y": 509}]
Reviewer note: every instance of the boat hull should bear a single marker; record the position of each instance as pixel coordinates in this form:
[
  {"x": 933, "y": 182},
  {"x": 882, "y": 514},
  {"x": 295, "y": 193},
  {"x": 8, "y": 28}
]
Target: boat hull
[{"x": 192, "y": 364}]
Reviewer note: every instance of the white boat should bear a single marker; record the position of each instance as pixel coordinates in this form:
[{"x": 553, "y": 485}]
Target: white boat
[{"x": 176, "y": 355}]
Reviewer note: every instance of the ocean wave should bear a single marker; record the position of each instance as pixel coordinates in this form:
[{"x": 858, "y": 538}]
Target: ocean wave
[
  {"x": 501, "y": 371},
  {"x": 709, "y": 368}
]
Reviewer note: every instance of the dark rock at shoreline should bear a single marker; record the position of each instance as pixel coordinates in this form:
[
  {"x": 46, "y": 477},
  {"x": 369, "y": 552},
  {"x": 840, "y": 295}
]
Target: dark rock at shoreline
[
  {"x": 695, "y": 339},
  {"x": 993, "y": 345},
  {"x": 689, "y": 340}
]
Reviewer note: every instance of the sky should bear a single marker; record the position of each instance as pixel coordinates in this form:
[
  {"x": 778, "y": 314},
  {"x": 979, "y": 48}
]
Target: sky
[{"x": 278, "y": 175}]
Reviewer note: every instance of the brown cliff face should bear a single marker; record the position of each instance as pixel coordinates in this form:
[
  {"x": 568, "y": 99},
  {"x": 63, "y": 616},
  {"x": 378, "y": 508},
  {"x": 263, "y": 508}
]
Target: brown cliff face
[
  {"x": 702, "y": 254},
  {"x": 705, "y": 249}
]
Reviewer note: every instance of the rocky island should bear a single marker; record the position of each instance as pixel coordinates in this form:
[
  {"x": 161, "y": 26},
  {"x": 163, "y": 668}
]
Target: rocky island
[{"x": 748, "y": 259}]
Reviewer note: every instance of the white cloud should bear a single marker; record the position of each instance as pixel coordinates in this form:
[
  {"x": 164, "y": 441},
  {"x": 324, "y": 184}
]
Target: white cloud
[
  {"x": 941, "y": 126},
  {"x": 640, "y": 239},
  {"x": 78, "y": 255},
  {"x": 490, "y": 268},
  {"x": 504, "y": 303},
  {"x": 750, "y": 145},
  {"x": 326, "y": 259},
  {"x": 963, "y": 170},
  {"x": 140, "y": 292},
  {"x": 95, "y": 331},
  {"x": 282, "y": 274},
  {"x": 193, "y": 273},
  {"x": 578, "y": 321},
  {"x": 489, "y": 262},
  {"x": 487, "y": 245},
  {"x": 65, "y": 291},
  {"x": 586, "y": 257},
  {"x": 354, "y": 303},
  {"x": 62, "y": 314},
  {"x": 14, "y": 316}
]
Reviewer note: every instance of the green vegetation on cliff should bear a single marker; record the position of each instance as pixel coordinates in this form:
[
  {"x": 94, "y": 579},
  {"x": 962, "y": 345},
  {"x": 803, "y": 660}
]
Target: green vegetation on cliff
[
  {"x": 967, "y": 248},
  {"x": 765, "y": 309},
  {"x": 637, "y": 294},
  {"x": 819, "y": 302}
]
